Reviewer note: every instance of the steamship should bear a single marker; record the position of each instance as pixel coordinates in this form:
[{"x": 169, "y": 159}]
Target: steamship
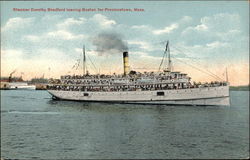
[{"x": 165, "y": 87}]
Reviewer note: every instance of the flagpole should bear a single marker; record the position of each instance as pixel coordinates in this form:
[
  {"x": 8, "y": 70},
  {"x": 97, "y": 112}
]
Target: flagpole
[
  {"x": 226, "y": 75},
  {"x": 84, "y": 60}
]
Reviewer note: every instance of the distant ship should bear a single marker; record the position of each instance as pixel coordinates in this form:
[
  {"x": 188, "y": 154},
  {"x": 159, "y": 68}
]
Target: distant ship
[
  {"x": 21, "y": 86},
  {"x": 164, "y": 87},
  {"x": 18, "y": 84}
]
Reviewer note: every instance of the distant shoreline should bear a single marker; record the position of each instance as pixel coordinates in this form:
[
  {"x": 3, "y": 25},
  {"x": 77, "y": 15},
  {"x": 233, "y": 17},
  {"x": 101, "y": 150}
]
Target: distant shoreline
[{"x": 239, "y": 88}]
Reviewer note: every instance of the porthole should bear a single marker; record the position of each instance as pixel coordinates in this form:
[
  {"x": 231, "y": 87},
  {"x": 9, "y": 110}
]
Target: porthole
[{"x": 160, "y": 93}]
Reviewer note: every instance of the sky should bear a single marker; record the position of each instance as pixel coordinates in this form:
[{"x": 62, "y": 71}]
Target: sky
[{"x": 205, "y": 37}]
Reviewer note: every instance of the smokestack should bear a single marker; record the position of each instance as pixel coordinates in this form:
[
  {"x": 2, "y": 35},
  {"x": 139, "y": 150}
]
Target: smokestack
[{"x": 125, "y": 63}]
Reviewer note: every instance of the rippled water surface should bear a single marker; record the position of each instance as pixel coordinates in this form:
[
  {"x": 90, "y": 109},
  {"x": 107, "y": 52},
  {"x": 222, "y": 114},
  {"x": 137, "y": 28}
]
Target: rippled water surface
[{"x": 34, "y": 126}]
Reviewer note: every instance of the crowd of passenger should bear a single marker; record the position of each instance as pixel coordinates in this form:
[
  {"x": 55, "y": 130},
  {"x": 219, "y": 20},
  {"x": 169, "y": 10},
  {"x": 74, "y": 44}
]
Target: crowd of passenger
[
  {"x": 105, "y": 88},
  {"x": 130, "y": 82},
  {"x": 115, "y": 76}
]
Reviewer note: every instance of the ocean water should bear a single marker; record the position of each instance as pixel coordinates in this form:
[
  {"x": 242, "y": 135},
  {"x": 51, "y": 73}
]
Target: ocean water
[{"x": 35, "y": 127}]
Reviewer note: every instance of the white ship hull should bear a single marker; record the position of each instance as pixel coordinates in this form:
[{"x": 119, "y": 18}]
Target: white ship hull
[
  {"x": 21, "y": 86},
  {"x": 193, "y": 96}
]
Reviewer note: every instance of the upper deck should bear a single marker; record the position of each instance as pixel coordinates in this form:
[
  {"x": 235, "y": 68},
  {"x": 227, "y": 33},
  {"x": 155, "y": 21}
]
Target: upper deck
[{"x": 146, "y": 78}]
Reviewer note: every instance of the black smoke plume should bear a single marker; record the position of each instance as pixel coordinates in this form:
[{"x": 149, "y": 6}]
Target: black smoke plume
[{"x": 109, "y": 43}]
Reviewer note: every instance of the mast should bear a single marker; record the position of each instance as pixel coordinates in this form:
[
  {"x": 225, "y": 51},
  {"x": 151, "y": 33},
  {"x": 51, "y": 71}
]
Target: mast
[
  {"x": 168, "y": 67},
  {"x": 83, "y": 60},
  {"x": 169, "y": 62}
]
